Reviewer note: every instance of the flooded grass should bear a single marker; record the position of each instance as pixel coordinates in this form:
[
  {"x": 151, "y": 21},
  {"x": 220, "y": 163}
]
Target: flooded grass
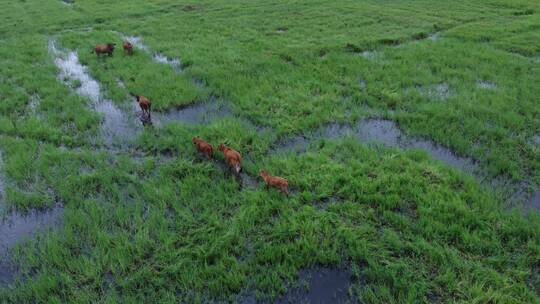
[
  {"x": 200, "y": 113},
  {"x": 439, "y": 91},
  {"x": 435, "y": 36},
  {"x": 319, "y": 285},
  {"x": 486, "y": 85},
  {"x": 376, "y": 131},
  {"x": 158, "y": 57},
  {"x": 116, "y": 126},
  {"x": 534, "y": 201},
  {"x": 146, "y": 221}
]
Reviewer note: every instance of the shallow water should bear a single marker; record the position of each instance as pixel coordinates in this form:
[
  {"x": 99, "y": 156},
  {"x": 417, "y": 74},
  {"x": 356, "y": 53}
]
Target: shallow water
[
  {"x": 376, "y": 131},
  {"x": 534, "y": 201},
  {"x": 175, "y": 63},
  {"x": 16, "y": 227},
  {"x": 439, "y": 91},
  {"x": 487, "y": 85},
  {"x": 200, "y": 113},
  {"x": 324, "y": 285},
  {"x": 434, "y": 37},
  {"x": 116, "y": 126}
]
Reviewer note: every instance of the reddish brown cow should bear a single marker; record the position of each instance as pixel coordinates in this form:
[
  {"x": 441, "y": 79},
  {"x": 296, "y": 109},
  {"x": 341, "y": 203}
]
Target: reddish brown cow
[
  {"x": 203, "y": 146},
  {"x": 107, "y": 48},
  {"x": 128, "y": 47},
  {"x": 145, "y": 104},
  {"x": 275, "y": 181},
  {"x": 232, "y": 157}
]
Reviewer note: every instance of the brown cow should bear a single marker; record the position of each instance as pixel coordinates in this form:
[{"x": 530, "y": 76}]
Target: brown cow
[
  {"x": 128, "y": 47},
  {"x": 275, "y": 181},
  {"x": 232, "y": 157},
  {"x": 145, "y": 104},
  {"x": 203, "y": 146},
  {"x": 107, "y": 48}
]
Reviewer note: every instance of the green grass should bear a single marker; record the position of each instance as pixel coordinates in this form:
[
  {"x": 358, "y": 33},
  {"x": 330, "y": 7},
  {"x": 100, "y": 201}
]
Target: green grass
[{"x": 153, "y": 222}]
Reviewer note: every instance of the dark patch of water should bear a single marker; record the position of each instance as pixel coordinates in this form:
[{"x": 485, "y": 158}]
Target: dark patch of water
[
  {"x": 200, "y": 113},
  {"x": 380, "y": 131},
  {"x": 319, "y": 285},
  {"x": 116, "y": 126},
  {"x": 16, "y": 227},
  {"x": 534, "y": 201}
]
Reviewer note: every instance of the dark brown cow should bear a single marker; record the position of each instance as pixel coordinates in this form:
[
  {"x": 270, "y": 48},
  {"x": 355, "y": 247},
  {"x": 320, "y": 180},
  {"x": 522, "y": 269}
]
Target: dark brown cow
[
  {"x": 107, "y": 48},
  {"x": 128, "y": 47}
]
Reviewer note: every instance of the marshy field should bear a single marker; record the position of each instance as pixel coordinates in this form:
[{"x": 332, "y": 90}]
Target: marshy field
[{"x": 408, "y": 131}]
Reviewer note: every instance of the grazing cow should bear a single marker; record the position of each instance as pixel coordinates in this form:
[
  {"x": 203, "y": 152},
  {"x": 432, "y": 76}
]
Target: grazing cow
[
  {"x": 275, "y": 181},
  {"x": 128, "y": 47},
  {"x": 203, "y": 146},
  {"x": 232, "y": 157},
  {"x": 107, "y": 48},
  {"x": 145, "y": 104}
]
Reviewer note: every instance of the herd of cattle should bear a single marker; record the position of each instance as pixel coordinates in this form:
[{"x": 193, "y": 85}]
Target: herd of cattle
[{"x": 231, "y": 156}]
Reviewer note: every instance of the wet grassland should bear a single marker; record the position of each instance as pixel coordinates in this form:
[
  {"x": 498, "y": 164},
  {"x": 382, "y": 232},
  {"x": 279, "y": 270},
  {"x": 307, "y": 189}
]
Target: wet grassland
[{"x": 408, "y": 132}]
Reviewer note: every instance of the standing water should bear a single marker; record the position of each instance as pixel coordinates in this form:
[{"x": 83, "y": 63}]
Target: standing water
[
  {"x": 16, "y": 227},
  {"x": 116, "y": 125},
  {"x": 158, "y": 57}
]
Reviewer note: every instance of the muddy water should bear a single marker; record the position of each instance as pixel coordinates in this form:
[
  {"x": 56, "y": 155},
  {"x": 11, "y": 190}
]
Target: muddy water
[
  {"x": 158, "y": 57},
  {"x": 117, "y": 127},
  {"x": 319, "y": 285}
]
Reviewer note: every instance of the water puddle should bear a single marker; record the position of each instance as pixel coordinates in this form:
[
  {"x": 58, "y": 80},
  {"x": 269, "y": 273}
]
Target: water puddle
[
  {"x": 371, "y": 55},
  {"x": 385, "y": 132},
  {"x": 200, "y": 113},
  {"x": 376, "y": 131},
  {"x": 158, "y": 57},
  {"x": 439, "y": 91},
  {"x": 16, "y": 227},
  {"x": 434, "y": 37},
  {"x": 486, "y": 85},
  {"x": 319, "y": 285},
  {"x": 116, "y": 125},
  {"x": 536, "y": 139},
  {"x": 534, "y": 201}
]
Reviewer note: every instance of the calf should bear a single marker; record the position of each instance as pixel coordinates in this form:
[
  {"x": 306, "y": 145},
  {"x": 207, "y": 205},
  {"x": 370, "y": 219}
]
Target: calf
[
  {"x": 203, "y": 146},
  {"x": 145, "y": 104},
  {"x": 232, "y": 157},
  {"x": 275, "y": 181},
  {"x": 128, "y": 47},
  {"x": 107, "y": 48}
]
